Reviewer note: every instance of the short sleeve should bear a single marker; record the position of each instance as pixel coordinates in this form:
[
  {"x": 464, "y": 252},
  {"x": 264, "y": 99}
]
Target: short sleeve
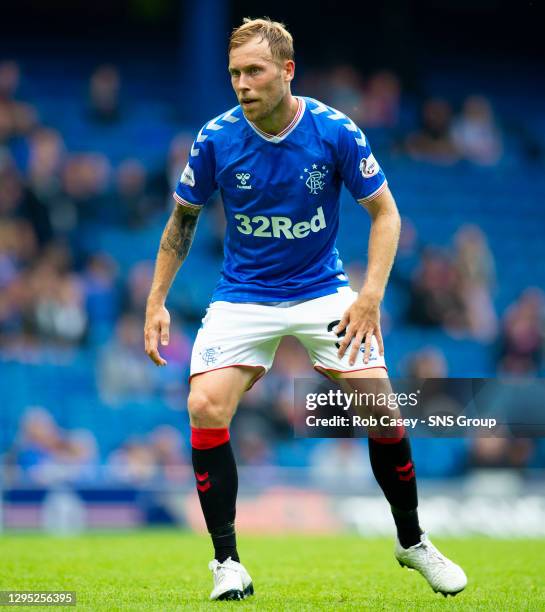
[
  {"x": 359, "y": 169},
  {"x": 197, "y": 182}
]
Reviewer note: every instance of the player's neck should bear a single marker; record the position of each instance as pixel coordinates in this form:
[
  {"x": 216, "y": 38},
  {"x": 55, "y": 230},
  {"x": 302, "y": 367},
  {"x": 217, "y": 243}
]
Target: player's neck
[{"x": 281, "y": 117}]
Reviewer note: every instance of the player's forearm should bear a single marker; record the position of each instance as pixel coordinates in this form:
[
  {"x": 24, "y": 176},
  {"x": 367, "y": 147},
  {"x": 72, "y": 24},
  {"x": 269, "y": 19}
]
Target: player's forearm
[
  {"x": 173, "y": 249},
  {"x": 383, "y": 240}
]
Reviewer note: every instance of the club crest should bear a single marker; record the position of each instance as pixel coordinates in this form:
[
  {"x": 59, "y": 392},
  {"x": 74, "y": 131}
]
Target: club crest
[{"x": 315, "y": 178}]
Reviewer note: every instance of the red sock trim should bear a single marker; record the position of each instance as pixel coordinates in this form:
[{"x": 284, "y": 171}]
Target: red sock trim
[
  {"x": 203, "y": 438},
  {"x": 399, "y": 435}
]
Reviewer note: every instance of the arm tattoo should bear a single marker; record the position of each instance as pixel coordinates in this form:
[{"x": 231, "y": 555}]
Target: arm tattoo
[{"x": 179, "y": 231}]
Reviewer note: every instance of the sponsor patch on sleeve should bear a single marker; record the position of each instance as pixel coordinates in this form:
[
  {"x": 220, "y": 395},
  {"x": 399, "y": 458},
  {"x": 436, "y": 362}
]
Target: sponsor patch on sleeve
[
  {"x": 188, "y": 178},
  {"x": 369, "y": 166}
]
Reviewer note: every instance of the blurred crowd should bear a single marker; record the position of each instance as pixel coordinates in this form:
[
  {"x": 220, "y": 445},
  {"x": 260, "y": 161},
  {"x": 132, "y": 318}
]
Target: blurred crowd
[
  {"x": 57, "y": 289},
  {"x": 441, "y": 136},
  {"x": 440, "y": 133},
  {"x": 44, "y": 454},
  {"x": 59, "y": 292}
]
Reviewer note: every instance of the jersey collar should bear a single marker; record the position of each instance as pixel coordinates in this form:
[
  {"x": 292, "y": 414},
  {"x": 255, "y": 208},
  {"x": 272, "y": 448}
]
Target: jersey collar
[{"x": 287, "y": 130}]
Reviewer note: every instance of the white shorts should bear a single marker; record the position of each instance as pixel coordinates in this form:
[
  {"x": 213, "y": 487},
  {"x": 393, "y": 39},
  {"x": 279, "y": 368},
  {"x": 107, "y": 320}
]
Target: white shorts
[{"x": 248, "y": 335}]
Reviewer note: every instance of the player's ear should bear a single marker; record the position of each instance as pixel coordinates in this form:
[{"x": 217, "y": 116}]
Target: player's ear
[{"x": 289, "y": 70}]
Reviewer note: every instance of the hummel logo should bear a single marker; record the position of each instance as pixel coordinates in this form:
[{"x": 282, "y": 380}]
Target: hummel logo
[
  {"x": 243, "y": 178},
  {"x": 200, "y": 479},
  {"x": 405, "y": 472}
]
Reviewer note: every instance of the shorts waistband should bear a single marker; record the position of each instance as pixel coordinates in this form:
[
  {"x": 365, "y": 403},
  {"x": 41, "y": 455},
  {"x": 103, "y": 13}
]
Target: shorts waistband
[{"x": 280, "y": 304}]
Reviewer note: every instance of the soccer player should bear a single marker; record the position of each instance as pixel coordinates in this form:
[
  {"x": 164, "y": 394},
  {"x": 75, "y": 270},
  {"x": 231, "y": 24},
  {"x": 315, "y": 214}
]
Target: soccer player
[{"x": 279, "y": 161}]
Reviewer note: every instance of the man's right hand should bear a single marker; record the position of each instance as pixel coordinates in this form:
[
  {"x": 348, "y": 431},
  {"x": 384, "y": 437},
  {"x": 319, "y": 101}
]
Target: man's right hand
[{"x": 156, "y": 329}]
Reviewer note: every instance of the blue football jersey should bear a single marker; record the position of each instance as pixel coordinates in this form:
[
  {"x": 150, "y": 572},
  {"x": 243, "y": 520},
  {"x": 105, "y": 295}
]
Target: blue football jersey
[{"x": 281, "y": 198}]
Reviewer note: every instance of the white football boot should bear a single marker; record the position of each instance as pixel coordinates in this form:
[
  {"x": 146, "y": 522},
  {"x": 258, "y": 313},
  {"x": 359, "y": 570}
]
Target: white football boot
[
  {"x": 442, "y": 574},
  {"x": 231, "y": 580},
  {"x": 247, "y": 584}
]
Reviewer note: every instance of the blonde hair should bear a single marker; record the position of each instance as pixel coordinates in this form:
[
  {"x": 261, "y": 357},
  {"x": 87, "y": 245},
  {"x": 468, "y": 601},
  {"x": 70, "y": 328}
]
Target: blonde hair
[{"x": 275, "y": 33}]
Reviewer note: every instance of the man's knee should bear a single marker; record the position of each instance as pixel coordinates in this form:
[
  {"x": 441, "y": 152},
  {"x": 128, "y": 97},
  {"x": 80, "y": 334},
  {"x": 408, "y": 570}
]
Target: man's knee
[{"x": 207, "y": 411}]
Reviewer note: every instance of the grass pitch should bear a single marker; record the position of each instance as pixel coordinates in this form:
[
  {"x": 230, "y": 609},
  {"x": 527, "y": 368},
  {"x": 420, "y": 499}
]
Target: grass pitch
[{"x": 167, "y": 570}]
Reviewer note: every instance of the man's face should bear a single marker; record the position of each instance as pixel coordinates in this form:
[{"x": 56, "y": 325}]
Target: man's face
[{"x": 260, "y": 82}]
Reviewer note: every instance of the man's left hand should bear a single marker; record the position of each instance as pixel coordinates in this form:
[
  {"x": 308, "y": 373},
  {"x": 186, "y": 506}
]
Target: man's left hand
[{"x": 361, "y": 322}]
